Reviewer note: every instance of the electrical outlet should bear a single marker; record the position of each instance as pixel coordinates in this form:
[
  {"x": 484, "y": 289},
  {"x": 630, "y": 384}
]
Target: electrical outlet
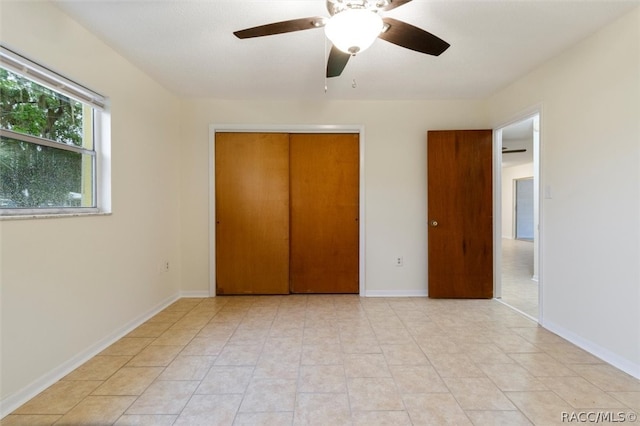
[
  {"x": 166, "y": 266},
  {"x": 399, "y": 261}
]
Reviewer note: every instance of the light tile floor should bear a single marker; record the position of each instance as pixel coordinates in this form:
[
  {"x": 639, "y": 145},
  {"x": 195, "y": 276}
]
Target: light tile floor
[
  {"x": 334, "y": 360},
  {"x": 518, "y": 290}
]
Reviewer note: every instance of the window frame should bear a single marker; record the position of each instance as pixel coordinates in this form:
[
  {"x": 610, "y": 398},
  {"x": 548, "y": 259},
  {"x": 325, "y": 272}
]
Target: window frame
[{"x": 98, "y": 154}]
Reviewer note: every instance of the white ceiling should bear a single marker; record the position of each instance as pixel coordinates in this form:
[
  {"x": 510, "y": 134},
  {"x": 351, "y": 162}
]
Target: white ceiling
[
  {"x": 189, "y": 48},
  {"x": 518, "y": 136}
]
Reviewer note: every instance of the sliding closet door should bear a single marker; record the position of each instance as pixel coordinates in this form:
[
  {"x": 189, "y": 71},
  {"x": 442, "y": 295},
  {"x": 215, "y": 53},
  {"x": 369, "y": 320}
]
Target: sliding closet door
[
  {"x": 252, "y": 213},
  {"x": 324, "y": 213}
]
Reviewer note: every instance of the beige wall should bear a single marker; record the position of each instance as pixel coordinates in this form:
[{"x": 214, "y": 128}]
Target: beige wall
[
  {"x": 69, "y": 283},
  {"x": 590, "y": 161},
  {"x": 395, "y": 177}
]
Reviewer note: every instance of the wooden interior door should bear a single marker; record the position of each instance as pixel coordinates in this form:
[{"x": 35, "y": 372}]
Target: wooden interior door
[
  {"x": 324, "y": 213},
  {"x": 252, "y": 213},
  {"x": 460, "y": 214}
]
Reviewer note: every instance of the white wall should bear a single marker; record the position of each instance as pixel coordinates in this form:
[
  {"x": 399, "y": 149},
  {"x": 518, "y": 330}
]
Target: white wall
[
  {"x": 508, "y": 176},
  {"x": 70, "y": 283},
  {"x": 590, "y": 160},
  {"x": 395, "y": 177}
]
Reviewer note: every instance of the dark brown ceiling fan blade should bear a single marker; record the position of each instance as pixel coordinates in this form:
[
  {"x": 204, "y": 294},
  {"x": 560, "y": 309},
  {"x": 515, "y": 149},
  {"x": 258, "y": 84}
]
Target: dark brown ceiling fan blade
[
  {"x": 414, "y": 38},
  {"x": 282, "y": 27},
  {"x": 336, "y": 62},
  {"x": 394, "y": 3},
  {"x": 513, "y": 151}
]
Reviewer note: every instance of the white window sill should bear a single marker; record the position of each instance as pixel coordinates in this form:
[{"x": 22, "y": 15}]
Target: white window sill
[{"x": 50, "y": 215}]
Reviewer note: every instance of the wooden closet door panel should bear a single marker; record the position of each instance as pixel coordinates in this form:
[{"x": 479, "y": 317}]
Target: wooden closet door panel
[
  {"x": 324, "y": 213},
  {"x": 252, "y": 213}
]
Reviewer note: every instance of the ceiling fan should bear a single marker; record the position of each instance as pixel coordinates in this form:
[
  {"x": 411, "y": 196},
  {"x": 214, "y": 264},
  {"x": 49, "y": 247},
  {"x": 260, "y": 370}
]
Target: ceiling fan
[
  {"x": 353, "y": 27},
  {"x": 506, "y": 150}
]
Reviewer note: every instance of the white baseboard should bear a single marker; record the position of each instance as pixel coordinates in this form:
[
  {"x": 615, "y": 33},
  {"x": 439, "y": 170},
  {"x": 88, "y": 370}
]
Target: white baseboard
[
  {"x": 195, "y": 293},
  {"x": 12, "y": 402},
  {"x": 604, "y": 354},
  {"x": 396, "y": 293}
]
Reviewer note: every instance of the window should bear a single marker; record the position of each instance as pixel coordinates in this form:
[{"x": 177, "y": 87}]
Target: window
[{"x": 49, "y": 140}]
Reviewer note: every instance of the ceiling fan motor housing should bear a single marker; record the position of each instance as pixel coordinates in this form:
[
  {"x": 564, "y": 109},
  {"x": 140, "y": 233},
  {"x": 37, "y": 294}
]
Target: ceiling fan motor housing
[{"x": 337, "y": 6}]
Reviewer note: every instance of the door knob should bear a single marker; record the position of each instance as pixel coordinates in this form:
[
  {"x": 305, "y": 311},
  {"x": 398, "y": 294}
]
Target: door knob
[{"x": 433, "y": 223}]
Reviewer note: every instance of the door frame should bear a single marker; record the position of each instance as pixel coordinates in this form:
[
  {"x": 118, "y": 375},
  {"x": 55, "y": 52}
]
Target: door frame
[
  {"x": 536, "y": 113},
  {"x": 285, "y": 128}
]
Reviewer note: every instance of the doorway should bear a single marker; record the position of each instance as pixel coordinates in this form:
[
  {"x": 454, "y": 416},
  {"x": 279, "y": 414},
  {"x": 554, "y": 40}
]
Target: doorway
[{"x": 517, "y": 222}]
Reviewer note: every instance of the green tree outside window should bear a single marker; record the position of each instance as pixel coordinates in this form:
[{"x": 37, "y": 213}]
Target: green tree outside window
[{"x": 38, "y": 176}]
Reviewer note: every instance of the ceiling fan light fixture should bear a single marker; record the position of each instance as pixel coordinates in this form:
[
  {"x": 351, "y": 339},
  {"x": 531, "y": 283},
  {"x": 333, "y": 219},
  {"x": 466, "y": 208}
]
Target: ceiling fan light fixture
[{"x": 354, "y": 30}]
